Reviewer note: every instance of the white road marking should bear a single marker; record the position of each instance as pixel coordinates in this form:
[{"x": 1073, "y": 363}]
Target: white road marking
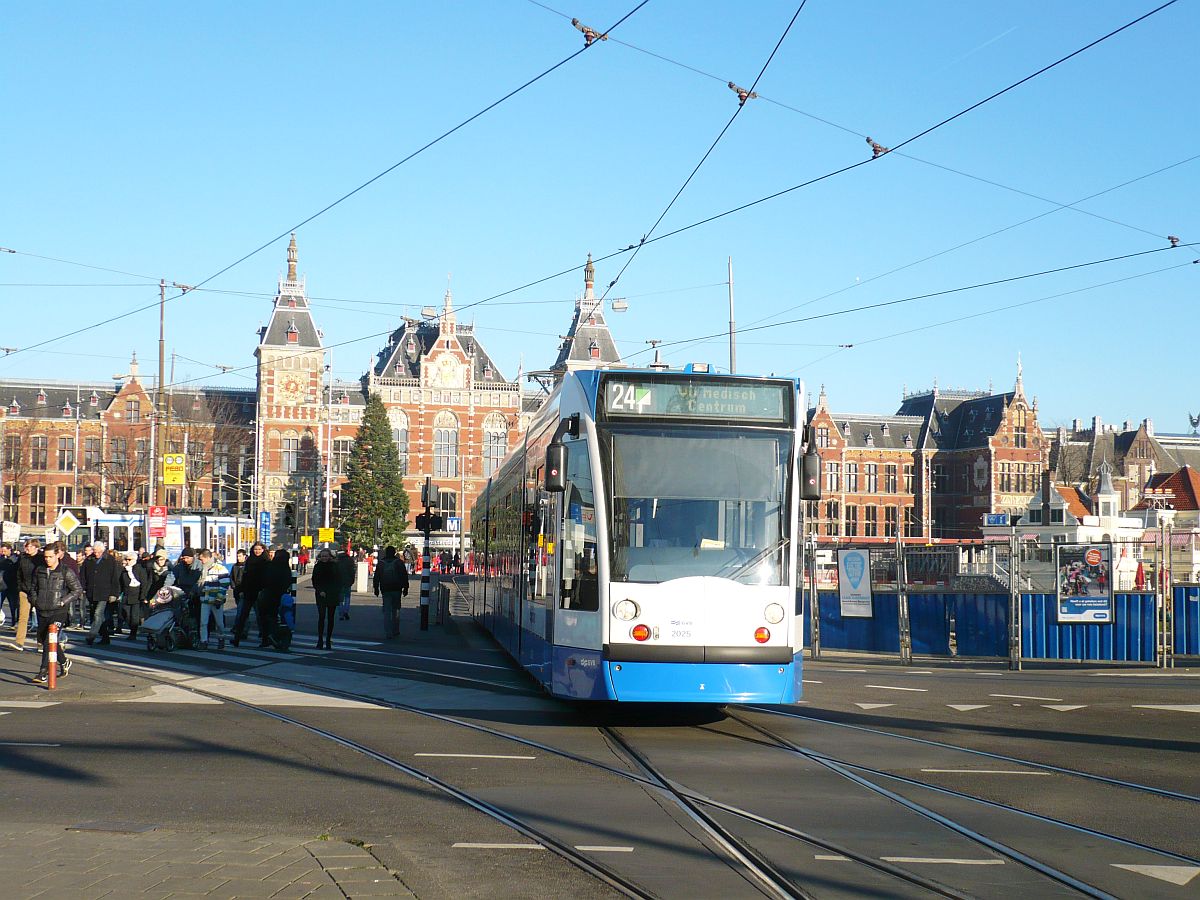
[
  {"x": 943, "y": 862},
  {"x": 967, "y": 707},
  {"x": 465, "y": 845},
  {"x": 831, "y": 857},
  {"x": 920, "y": 673},
  {"x": 475, "y": 755},
  {"x": 1025, "y": 697},
  {"x": 888, "y": 687},
  {"x": 600, "y": 848},
  {"x": 178, "y": 671},
  {"x": 270, "y": 695},
  {"x": 26, "y": 744},
  {"x": 1180, "y": 875},
  {"x": 1192, "y": 707},
  {"x": 810, "y": 681},
  {"x": 169, "y": 693},
  {"x": 849, "y": 670},
  {"x": 987, "y": 673},
  {"x": 985, "y": 771},
  {"x": 29, "y": 704},
  {"x": 1064, "y": 707},
  {"x": 873, "y": 705}
]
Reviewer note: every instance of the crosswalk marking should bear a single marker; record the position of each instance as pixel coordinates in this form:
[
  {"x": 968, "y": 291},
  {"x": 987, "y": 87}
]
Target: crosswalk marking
[
  {"x": 937, "y": 861},
  {"x": 873, "y": 705},
  {"x": 28, "y": 704},
  {"x": 888, "y": 687},
  {"x": 1179, "y": 875},
  {"x": 1182, "y": 707},
  {"x": 1064, "y": 707},
  {"x": 169, "y": 693},
  {"x": 467, "y": 845},
  {"x": 1027, "y": 697},
  {"x": 968, "y": 707}
]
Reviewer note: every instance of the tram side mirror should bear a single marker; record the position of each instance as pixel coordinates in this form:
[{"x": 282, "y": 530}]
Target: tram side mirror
[
  {"x": 810, "y": 476},
  {"x": 556, "y": 468}
]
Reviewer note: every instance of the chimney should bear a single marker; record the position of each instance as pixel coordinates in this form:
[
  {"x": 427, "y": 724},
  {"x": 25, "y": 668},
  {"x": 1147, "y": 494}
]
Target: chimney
[
  {"x": 1076, "y": 425},
  {"x": 1097, "y": 425},
  {"x": 1149, "y": 423},
  {"x": 1046, "y": 497}
]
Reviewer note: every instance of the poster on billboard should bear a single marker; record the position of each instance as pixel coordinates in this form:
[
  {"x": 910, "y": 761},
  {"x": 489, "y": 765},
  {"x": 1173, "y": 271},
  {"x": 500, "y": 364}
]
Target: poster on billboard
[
  {"x": 854, "y": 583},
  {"x": 1085, "y": 591}
]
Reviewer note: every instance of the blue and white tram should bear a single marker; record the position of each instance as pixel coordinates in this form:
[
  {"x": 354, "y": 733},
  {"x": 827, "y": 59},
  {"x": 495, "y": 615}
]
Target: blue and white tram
[
  {"x": 126, "y": 531},
  {"x": 643, "y": 543}
]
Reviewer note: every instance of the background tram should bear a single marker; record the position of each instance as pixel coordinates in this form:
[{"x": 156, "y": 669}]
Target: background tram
[
  {"x": 126, "y": 531},
  {"x": 643, "y": 543}
]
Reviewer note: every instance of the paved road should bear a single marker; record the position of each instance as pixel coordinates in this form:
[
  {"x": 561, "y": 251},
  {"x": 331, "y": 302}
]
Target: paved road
[{"x": 158, "y": 775}]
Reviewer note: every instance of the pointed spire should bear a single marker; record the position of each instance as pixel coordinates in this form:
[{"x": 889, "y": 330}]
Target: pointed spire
[
  {"x": 1020, "y": 386},
  {"x": 133, "y": 367},
  {"x": 448, "y": 303},
  {"x": 822, "y": 400},
  {"x": 589, "y": 278},
  {"x": 292, "y": 258}
]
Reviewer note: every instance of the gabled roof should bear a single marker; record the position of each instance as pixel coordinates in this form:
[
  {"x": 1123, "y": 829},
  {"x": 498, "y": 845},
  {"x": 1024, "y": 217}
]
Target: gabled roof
[
  {"x": 1184, "y": 484},
  {"x": 1077, "y": 502},
  {"x": 401, "y": 357},
  {"x": 957, "y": 420},
  {"x": 291, "y": 314},
  {"x": 588, "y": 343},
  {"x": 882, "y": 432},
  {"x": 58, "y": 394}
]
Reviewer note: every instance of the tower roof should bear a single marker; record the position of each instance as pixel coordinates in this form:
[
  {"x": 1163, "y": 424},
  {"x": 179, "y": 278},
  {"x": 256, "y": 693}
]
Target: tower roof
[
  {"x": 588, "y": 343},
  {"x": 291, "y": 322}
]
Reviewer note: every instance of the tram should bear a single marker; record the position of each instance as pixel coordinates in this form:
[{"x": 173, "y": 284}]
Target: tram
[
  {"x": 643, "y": 543},
  {"x": 125, "y": 531}
]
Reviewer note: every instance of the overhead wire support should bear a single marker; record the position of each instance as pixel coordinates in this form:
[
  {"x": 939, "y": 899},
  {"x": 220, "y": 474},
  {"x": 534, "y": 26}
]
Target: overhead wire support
[{"x": 743, "y": 95}]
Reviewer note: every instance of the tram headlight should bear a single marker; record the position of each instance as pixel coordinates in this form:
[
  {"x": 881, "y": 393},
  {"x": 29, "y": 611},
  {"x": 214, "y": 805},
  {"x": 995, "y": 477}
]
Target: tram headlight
[
  {"x": 626, "y": 610},
  {"x": 774, "y": 613}
]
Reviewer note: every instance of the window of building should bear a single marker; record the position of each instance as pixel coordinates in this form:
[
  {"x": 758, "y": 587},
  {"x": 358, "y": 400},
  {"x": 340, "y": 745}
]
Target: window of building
[
  {"x": 12, "y": 452},
  {"x": 833, "y": 476},
  {"x": 1020, "y": 427},
  {"x": 39, "y": 454},
  {"x": 37, "y": 505},
  {"x": 911, "y": 527},
  {"x": 92, "y": 454},
  {"x": 90, "y": 495},
  {"x": 141, "y": 496},
  {"x": 133, "y": 411},
  {"x": 141, "y": 454},
  {"x": 908, "y": 480},
  {"x": 939, "y": 479},
  {"x": 833, "y": 518},
  {"x": 1056, "y": 516},
  {"x": 889, "y": 479},
  {"x": 289, "y": 455},
  {"x": 871, "y": 477},
  {"x": 823, "y": 436},
  {"x": 445, "y": 446},
  {"x": 889, "y": 521},
  {"x": 64, "y": 495},
  {"x": 448, "y": 502},
  {"x": 173, "y": 497},
  {"x": 851, "y": 520},
  {"x": 852, "y": 478},
  {"x": 66, "y": 455},
  {"x": 12, "y": 502},
  {"x": 871, "y": 521},
  {"x": 118, "y": 453},
  {"x": 495, "y": 443},
  {"x": 342, "y": 448}
]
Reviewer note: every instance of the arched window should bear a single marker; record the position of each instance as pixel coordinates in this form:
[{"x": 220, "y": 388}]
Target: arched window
[
  {"x": 445, "y": 446},
  {"x": 400, "y": 435},
  {"x": 495, "y": 443}
]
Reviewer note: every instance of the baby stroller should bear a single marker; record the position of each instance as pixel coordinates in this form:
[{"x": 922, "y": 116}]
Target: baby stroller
[{"x": 169, "y": 625}]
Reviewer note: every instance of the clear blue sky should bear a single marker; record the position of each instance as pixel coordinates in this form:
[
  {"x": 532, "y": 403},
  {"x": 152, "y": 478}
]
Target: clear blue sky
[{"x": 169, "y": 140}]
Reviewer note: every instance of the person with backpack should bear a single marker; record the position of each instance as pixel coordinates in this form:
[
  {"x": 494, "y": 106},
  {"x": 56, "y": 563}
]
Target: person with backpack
[
  {"x": 277, "y": 580},
  {"x": 55, "y": 588},
  {"x": 391, "y": 580},
  {"x": 327, "y": 585},
  {"x": 348, "y": 569}
]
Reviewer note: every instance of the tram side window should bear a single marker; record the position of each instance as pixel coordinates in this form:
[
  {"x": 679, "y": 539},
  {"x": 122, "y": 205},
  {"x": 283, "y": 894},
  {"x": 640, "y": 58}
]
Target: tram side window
[
  {"x": 120, "y": 540},
  {"x": 102, "y": 534},
  {"x": 579, "y": 578}
]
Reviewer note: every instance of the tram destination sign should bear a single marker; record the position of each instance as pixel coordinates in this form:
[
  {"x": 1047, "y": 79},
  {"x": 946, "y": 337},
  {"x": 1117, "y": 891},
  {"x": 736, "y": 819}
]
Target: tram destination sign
[{"x": 734, "y": 399}]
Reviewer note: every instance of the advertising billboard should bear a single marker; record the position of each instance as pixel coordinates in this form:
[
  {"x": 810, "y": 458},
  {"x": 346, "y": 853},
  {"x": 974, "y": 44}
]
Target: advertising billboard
[
  {"x": 1085, "y": 589},
  {"x": 854, "y": 583}
]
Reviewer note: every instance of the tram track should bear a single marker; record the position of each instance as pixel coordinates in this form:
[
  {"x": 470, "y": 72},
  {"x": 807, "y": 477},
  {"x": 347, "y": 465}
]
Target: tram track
[{"x": 700, "y": 807}]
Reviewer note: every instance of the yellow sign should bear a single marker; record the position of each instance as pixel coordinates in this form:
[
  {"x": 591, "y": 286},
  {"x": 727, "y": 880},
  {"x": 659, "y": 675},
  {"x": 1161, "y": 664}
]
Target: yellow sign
[
  {"x": 325, "y": 535},
  {"x": 173, "y": 469},
  {"x": 66, "y": 522},
  {"x": 306, "y": 540}
]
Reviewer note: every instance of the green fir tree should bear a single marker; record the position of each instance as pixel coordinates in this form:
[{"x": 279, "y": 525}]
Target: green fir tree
[{"x": 374, "y": 489}]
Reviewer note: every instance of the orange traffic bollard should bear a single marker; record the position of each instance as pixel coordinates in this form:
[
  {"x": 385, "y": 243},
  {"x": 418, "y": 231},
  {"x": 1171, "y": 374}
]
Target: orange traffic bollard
[{"x": 52, "y": 653}]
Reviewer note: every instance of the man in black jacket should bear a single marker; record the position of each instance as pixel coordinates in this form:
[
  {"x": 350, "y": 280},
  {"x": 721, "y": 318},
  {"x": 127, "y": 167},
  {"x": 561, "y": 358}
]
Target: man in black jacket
[
  {"x": 8, "y": 575},
  {"x": 391, "y": 580},
  {"x": 55, "y": 587},
  {"x": 31, "y": 560},
  {"x": 101, "y": 577}
]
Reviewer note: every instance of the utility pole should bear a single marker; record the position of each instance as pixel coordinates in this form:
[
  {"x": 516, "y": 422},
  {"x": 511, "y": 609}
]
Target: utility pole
[
  {"x": 901, "y": 602},
  {"x": 329, "y": 447},
  {"x": 732, "y": 325},
  {"x": 1014, "y": 602},
  {"x": 157, "y": 478}
]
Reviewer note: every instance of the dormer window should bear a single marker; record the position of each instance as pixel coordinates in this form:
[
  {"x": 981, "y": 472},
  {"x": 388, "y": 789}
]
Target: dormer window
[
  {"x": 41, "y": 398},
  {"x": 14, "y": 408},
  {"x": 870, "y": 439},
  {"x": 196, "y": 402},
  {"x": 291, "y": 302},
  {"x": 66, "y": 410},
  {"x": 345, "y": 400},
  {"x": 884, "y": 429},
  {"x": 908, "y": 440},
  {"x": 487, "y": 373},
  {"x": 94, "y": 399},
  {"x": 846, "y": 428},
  {"x": 594, "y": 350},
  {"x": 293, "y": 333}
]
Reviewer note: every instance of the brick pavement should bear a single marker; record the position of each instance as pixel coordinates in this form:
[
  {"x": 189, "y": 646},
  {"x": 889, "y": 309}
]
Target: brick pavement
[{"x": 48, "y": 861}]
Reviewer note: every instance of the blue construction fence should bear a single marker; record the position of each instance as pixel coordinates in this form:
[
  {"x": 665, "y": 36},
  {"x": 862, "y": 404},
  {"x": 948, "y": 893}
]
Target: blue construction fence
[{"x": 980, "y": 627}]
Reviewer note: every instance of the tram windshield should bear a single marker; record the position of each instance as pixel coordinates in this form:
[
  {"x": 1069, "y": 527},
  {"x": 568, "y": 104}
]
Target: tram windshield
[{"x": 698, "y": 501}]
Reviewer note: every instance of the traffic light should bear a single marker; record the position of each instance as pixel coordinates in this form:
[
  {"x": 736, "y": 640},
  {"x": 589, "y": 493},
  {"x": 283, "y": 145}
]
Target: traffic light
[
  {"x": 289, "y": 515},
  {"x": 430, "y": 522}
]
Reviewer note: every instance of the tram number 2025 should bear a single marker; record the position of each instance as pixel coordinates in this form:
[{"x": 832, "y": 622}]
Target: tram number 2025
[{"x": 681, "y": 629}]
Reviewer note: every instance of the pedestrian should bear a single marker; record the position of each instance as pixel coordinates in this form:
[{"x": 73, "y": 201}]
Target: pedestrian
[
  {"x": 251, "y": 583},
  {"x": 214, "y": 587},
  {"x": 55, "y": 587},
  {"x": 185, "y": 575},
  {"x": 31, "y": 560},
  {"x": 236, "y": 572},
  {"x": 302, "y": 561},
  {"x": 144, "y": 572},
  {"x": 456, "y": 563},
  {"x": 391, "y": 581},
  {"x": 101, "y": 583},
  {"x": 276, "y": 580},
  {"x": 8, "y": 582},
  {"x": 348, "y": 569},
  {"x": 327, "y": 585},
  {"x": 131, "y": 596}
]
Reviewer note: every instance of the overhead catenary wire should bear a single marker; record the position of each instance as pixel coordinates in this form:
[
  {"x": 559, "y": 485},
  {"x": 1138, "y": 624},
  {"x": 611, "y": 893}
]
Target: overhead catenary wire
[{"x": 413, "y": 155}]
